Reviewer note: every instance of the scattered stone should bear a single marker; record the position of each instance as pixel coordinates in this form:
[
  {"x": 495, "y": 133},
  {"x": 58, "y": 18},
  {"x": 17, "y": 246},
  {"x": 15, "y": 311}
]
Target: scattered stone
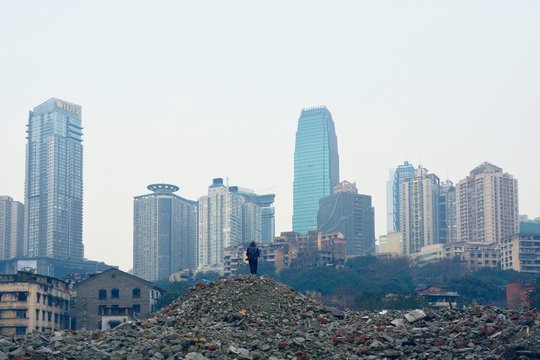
[
  {"x": 414, "y": 315},
  {"x": 256, "y": 318}
]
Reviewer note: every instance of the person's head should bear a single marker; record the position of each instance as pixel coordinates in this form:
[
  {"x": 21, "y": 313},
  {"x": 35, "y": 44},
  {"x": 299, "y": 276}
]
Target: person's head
[{"x": 252, "y": 244}]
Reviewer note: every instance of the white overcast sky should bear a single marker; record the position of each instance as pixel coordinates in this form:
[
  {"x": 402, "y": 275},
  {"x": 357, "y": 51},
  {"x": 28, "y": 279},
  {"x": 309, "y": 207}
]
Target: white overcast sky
[{"x": 185, "y": 91}]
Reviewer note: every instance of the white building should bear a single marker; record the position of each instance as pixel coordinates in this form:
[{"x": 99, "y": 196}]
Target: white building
[
  {"x": 487, "y": 205},
  {"x": 419, "y": 211},
  {"x": 220, "y": 225},
  {"x": 521, "y": 252}
]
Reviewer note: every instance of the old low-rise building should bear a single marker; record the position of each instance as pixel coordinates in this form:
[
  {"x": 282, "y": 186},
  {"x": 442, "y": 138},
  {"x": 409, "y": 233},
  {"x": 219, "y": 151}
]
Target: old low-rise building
[
  {"x": 521, "y": 252},
  {"x": 112, "y": 297},
  {"x": 438, "y": 296},
  {"x": 474, "y": 255},
  {"x": 31, "y": 302}
]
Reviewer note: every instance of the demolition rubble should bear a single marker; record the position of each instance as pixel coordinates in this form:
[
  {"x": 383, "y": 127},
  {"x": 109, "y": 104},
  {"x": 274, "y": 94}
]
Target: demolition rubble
[{"x": 259, "y": 318}]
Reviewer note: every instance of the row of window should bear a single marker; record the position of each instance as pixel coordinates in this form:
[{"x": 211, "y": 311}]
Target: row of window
[
  {"x": 115, "y": 293},
  {"x": 116, "y": 310}
]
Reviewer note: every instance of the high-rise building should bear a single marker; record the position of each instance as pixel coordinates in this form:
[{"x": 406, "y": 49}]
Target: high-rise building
[
  {"x": 220, "y": 224},
  {"x": 419, "y": 200},
  {"x": 447, "y": 212},
  {"x": 393, "y": 187},
  {"x": 390, "y": 202},
  {"x": 266, "y": 217},
  {"x": 54, "y": 181},
  {"x": 487, "y": 205},
  {"x": 11, "y": 228},
  {"x": 164, "y": 233},
  {"x": 351, "y": 214},
  {"x": 316, "y": 165}
]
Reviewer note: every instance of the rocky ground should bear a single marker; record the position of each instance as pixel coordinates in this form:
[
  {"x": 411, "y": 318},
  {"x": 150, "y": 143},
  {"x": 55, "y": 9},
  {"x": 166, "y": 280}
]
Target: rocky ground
[{"x": 258, "y": 318}]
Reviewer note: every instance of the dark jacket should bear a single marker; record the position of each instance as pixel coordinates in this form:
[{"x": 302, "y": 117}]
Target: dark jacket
[{"x": 253, "y": 253}]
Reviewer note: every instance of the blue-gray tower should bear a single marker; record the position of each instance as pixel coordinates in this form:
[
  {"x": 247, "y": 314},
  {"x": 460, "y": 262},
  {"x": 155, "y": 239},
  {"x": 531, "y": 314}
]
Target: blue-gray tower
[
  {"x": 403, "y": 172},
  {"x": 316, "y": 165},
  {"x": 54, "y": 181}
]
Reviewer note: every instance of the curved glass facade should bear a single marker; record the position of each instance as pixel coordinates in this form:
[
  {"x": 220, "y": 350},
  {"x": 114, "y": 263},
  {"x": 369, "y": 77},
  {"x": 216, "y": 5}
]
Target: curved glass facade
[{"x": 316, "y": 165}]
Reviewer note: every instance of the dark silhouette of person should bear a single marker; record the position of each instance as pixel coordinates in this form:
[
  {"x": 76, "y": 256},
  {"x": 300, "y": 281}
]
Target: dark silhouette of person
[{"x": 253, "y": 254}]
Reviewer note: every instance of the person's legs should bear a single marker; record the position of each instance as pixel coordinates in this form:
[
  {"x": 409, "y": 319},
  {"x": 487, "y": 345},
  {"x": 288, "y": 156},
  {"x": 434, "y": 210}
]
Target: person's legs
[
  {"x": 252, "y": 268},
  {"x": 255, "y": 267}
]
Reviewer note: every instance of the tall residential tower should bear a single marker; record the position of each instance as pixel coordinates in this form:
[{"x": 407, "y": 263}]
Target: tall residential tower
[
  {"x": 351, "y": 214},
  {"x": 316, "y": 166},
  {"x": 487, "y": 205},
  {"x": 419, "y": 200},
  {"x": 164, "y": 233},
  {"x": 220, "y": 224},
  {"x": 11, "y": 228},
  {"x": 393, "y": 187},
  {"x": 54, "y": 181}
]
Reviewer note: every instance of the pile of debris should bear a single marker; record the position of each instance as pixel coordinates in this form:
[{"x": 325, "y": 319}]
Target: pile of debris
[{"x": 258, "y": 318}]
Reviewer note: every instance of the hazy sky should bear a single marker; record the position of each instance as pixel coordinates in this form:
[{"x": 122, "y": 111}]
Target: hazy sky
[{"x": 182, "y": 92}]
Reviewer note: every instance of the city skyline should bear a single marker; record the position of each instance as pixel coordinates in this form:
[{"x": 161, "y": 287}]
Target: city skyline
[{"x": 447, "y": 86}]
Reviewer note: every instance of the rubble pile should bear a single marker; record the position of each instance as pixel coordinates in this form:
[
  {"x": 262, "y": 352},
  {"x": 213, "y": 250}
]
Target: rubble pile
[{"x": 258, "y": 318}]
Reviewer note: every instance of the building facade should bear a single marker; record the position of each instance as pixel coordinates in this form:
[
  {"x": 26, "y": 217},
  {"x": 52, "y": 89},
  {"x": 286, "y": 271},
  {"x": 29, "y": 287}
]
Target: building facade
[
  {"x": 54, "y": 181},
  {"x": 164, "y": 233},
  {"x": 487, "y": 205},
  {"x": 447, "y": 213},
  {"x": 31, "y": 302},
  {"x": 220, "y": 224},
  {"x": 267, "y": 215},
  {"x": 521, "y": 252},
  {"x": 112, "y": 297},
  {"x": 12, "y": 242},
  {"x": 390, "y": 243},
  {"x": 472, "y": 255},
  {"x": 419, "y": 211},
  {"x": 403, "y": 172},
  {"x": 316, "y": 166},
  {"x": 351, "y": 214}
]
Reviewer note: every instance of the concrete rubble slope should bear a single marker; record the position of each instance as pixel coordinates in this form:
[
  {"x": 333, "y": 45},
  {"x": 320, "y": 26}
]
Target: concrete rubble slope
[{"x": 258, "y": 318}]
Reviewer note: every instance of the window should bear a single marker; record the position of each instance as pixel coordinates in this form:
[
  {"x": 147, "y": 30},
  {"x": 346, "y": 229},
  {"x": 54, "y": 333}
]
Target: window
[
  {"x": 102, "y": 294},
  {"x": 115, "y": 293},
  {"x": 102, "y": 309},
  {"x": 136, "y": 308},
  {"x": 136, "y": 293},
  {"x": 115, "y": 310},
  {"x": 20, "y": 330},
  {"x": 22, "y": 296},
  {"x": 38, "y": 297},
  {"x": 21, "y": 314}
]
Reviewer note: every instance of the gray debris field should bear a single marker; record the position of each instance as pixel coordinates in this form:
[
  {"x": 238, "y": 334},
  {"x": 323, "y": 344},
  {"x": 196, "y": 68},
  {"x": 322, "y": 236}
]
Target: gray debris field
[{"x": 259, "y": 318}]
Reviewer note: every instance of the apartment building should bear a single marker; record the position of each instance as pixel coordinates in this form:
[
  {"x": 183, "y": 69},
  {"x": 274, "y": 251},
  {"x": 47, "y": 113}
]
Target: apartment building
[{"x": 31, "y": 302}]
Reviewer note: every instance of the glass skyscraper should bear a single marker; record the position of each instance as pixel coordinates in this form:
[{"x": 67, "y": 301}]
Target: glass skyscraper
[
  {"x": 316, "y": 165},
  {"x": 54, "y": 182}
]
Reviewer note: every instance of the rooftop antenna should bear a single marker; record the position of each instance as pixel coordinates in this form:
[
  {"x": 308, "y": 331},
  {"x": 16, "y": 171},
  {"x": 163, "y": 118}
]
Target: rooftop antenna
[{"x": 227, "y": 182}]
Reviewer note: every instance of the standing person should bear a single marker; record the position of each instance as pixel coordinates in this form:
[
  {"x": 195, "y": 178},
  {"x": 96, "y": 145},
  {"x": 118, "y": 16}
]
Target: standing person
[{"x": 253, "y": 254}]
